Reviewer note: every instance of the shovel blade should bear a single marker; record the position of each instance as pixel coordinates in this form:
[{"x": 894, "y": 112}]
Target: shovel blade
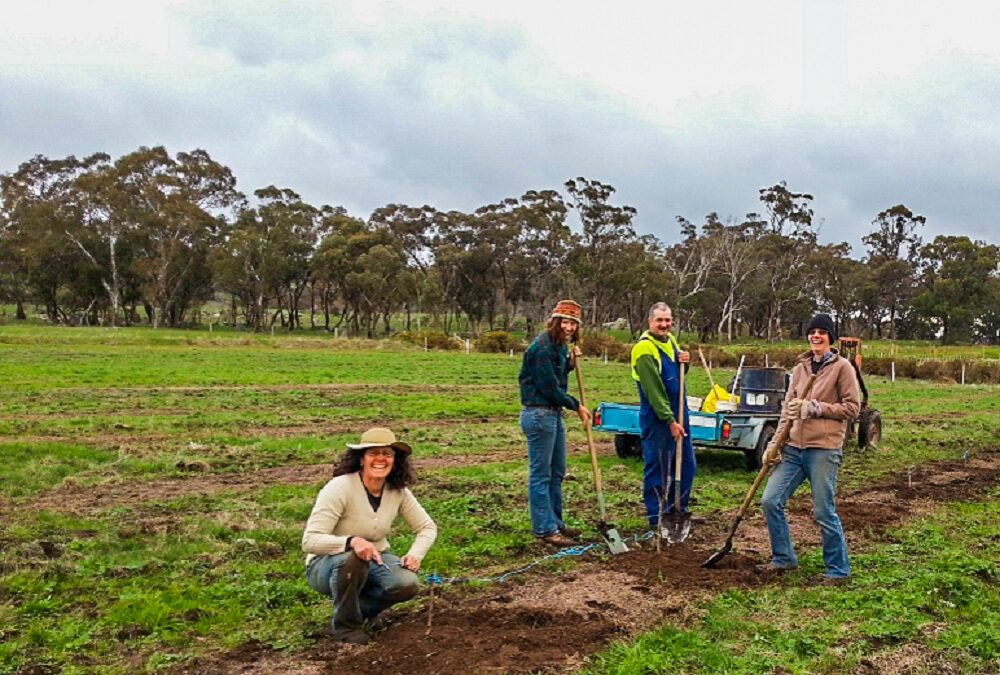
[
  {"x": 719, "y": 555},
  {"x": 678, "y": 527},
  {"x": 611, "y": 537}
]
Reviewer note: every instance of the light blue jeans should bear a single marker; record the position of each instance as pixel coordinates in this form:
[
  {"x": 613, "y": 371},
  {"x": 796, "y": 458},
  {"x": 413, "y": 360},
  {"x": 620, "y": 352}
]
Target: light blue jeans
[
  {"x": 360, "y": 589},
  {"x": 543, "y": 427},
  {"x": 820, "y": 468}
]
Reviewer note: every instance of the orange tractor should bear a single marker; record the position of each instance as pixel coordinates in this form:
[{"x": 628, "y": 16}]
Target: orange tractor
[{"x": 868, "y": 425}]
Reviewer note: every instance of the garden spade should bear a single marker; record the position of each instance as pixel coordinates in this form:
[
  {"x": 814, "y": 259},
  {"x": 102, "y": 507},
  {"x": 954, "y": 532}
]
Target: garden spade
[
  {"x": 678, "y": 524},
  {"x": 779, "y": 440},
  {"x": 607, "y": 531}
]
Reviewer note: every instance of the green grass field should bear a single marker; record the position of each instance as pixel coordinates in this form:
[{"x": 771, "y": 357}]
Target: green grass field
[{"x": 126, "y": 544}]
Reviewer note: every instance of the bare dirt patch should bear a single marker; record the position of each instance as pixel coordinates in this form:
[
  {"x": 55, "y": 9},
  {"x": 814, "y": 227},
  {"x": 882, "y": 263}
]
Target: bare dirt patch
[{"x": 551, "y": 623}]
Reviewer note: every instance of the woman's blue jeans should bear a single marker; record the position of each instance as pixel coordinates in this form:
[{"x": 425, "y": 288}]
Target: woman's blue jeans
[
  {"x": 820, "y": 468},
  {"x": 543, "y": 427},
  {"x": 360, "y": 589}
]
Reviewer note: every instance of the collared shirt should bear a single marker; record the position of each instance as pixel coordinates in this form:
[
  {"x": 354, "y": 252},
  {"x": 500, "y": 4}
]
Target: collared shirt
[{"x": 544, "y": 376}]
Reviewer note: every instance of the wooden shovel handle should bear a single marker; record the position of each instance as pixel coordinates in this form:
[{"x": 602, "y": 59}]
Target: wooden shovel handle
[
  {"x": 778, "y": 440},
  {"x": 590, "y": 432},
  {"x": 704, "y": 364}
]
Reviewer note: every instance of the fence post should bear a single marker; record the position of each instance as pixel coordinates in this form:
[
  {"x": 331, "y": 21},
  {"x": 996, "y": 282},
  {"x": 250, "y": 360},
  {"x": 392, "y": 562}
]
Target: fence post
[
  {"x": 425, "y": 343},
  {"x": 963, "y": 373},
  {"x": 605, "y": 357},
  {"x": 892, "y": 371},
  {"x": 468, "y": 346}
]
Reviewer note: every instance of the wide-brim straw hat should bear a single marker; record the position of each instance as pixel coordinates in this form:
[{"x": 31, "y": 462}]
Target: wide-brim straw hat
[{"x": 380, "y": 437}]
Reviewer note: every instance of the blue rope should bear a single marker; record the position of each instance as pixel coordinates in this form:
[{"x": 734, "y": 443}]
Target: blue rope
[{"x": 435, "y": 579}]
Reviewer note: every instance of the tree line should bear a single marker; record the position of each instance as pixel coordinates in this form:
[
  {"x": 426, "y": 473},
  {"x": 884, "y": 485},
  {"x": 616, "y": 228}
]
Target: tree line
[{"x": 151, "y": 238}]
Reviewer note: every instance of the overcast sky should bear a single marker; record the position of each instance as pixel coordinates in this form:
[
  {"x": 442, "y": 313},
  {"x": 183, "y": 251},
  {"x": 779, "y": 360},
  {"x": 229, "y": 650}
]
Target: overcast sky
[{"x": 685, "y": 108}]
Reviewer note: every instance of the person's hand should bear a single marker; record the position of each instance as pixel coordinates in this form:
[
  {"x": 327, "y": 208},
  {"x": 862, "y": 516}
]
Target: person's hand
[
  {"x": 410, "y": 562},
  {"x": 366, "y": 550},
  {"x": 577, "y": 353},
  {"x": 771, "y": 456},
  {"x": 677, "y": 430},
  {"x": 798, "y": 408},
  {"x": 584, "y": 414},
  {"x": 684, "y": 357}
]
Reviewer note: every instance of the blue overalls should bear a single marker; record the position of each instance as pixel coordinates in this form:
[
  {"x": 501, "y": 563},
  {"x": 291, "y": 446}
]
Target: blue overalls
[{"x": 659, "y": 449}]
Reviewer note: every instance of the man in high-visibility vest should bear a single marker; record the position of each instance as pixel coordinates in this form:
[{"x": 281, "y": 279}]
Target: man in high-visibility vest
[{"x": 656, "y": 360}]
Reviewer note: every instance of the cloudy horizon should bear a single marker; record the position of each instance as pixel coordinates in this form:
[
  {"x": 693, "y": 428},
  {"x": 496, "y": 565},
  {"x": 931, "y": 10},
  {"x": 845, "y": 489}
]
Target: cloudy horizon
[{"x": 685, "y": 111}]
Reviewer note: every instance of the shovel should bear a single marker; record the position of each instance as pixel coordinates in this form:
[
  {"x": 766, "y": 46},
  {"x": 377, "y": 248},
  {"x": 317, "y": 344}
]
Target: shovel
[
  {"x": 607, "y": 531},
  {"x": 779, "y": 440},
  {"x": 678, "y": 524}
]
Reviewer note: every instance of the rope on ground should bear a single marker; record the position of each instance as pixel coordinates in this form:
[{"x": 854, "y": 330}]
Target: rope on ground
[{"x": 435, "y": 579}]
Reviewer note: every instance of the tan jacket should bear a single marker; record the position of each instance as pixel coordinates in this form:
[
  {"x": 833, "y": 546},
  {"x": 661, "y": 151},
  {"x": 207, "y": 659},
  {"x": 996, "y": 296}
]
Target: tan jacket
[
  {"x": 839, "y": 397},
  {"x": 342, "y": 510}
]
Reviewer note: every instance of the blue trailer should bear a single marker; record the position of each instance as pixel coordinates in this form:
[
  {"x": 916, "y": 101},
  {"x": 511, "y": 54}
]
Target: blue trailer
[
  {"x": 748, "y": 429},
  {"x": 747, "y": 432}
]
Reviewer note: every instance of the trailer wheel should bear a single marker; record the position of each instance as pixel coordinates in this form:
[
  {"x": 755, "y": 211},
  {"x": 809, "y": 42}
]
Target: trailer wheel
[
  {"x": 869, "y": 428},
  {"x": 755, "y": 457},
  {"x": 627, "y": 446}
]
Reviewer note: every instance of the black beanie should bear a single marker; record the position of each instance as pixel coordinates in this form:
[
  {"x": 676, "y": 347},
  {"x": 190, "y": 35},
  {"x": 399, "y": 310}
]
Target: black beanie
[{"x": 823, "y": 322}]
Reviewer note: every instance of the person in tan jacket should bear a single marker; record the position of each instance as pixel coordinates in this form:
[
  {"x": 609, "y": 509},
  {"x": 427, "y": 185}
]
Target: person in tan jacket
[
  {"x": 815, "y": 448},
  {"x": 345, "y": 537}
]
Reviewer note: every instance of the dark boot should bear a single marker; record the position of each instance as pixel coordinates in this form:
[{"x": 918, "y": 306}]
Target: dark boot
[
  {"x": 351, "y": 577},
  {"x": 350, "y": 635}
]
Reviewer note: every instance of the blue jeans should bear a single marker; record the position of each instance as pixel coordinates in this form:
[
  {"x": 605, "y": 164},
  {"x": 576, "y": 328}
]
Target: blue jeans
[
  {"x": 659, "y": 455},
  {"x": 820, "y": 468},
  {"x": 543, "y": 427},
  {"x": 360, "y": 589}
]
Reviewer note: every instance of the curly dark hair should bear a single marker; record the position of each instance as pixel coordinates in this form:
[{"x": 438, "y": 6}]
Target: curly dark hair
[{"x": 401, "y": 476}]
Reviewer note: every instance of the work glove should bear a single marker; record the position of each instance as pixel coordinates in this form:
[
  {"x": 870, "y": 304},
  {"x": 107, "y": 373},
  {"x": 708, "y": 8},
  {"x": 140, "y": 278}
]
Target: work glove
[
  {"x": 802, "y": 408},
  {"x": 771, "y": 456},
  {"x": 795, "y": 408}
]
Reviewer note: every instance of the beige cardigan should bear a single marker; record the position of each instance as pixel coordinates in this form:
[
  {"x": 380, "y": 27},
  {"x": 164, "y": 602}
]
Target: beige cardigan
[{"x": 342, "y": 510}]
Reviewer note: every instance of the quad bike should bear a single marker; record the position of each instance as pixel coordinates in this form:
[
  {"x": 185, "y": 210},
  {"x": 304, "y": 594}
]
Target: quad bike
[{"x": 868, "y": 425}]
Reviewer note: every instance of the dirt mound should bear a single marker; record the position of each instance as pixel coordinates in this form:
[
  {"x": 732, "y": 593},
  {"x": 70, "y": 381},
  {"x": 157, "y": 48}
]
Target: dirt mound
[{"x": 551, "y": 623}]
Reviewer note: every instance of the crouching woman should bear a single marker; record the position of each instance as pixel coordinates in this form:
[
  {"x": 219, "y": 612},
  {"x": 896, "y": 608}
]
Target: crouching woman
[{"x": 345, "y": 538}]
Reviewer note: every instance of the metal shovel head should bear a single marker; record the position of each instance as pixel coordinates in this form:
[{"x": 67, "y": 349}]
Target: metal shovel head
[
  {"x": 612, "y": 538},
  {"x": 677, "y": 527},
  {"x": 719, "y": 555}
]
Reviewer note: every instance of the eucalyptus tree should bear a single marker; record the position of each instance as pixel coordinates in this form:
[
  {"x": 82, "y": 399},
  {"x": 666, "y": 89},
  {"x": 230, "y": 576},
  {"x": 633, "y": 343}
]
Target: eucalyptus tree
[
  {"x": 413, "y": 228},
  {"x": 530, "y": 241},
  {"x": 268, "y": 254},
  {"x": 786, "y": 241},
  {"x": 606, "y": 243},
  {"x": 893, "y": 257},
  {"x": 184, "y": 205},
  {"x": 38, "y": 206},
  {"x": 464, "y": 255},
  {"x": 368, "y": 269},
  {"x": 957, "y": 288}
]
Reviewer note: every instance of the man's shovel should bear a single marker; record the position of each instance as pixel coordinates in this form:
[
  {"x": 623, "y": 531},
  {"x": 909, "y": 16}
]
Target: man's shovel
[
  {"x": 607, "y": 531},
  {"x": 779, "y": 441},
  {"x": 678, "y": 524}
]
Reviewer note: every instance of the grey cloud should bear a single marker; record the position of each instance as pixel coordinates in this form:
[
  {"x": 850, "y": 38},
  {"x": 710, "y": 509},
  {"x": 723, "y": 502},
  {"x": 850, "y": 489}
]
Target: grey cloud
[{"x": 506, "y": 121}]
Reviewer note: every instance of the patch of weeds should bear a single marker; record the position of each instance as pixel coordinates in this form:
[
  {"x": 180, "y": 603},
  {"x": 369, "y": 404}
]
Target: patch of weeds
[{"x": 30, "y": 468}]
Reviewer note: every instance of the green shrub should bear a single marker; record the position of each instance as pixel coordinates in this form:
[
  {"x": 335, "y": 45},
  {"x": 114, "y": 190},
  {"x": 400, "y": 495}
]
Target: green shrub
[
  {"x": 498, "y": 341},
  {"x": 432, "y": 339},
  {"x": 599, "y": 344}
]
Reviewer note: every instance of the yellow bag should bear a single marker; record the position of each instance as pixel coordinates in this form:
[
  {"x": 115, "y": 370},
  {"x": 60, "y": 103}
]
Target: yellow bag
[{"x": 717, "y": 394}]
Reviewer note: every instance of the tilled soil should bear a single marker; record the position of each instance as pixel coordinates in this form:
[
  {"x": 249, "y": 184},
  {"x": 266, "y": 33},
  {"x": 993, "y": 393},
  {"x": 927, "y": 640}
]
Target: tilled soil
[{"x": 551, "y": 623}]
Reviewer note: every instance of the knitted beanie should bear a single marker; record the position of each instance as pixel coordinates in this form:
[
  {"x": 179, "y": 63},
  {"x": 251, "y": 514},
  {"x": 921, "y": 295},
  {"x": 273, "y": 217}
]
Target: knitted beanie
[
  {"x": 567, "y": 309},
  {"x": 823, "y": 322}
]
